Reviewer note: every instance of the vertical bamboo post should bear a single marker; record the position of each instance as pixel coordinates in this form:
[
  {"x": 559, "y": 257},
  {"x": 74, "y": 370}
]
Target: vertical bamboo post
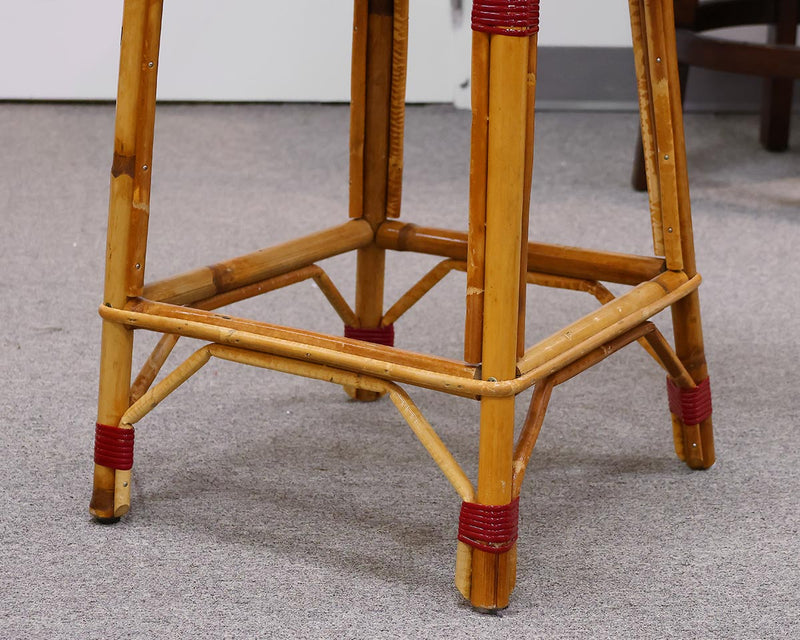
[
  {"x": 526, "y": 190},
  {"x": 646, "y": 116},
  {"x": 476, "y": 238},
  {"x": 138, "y": 26},
  {"x": 377, "y": 68},
  {"x": 492, "y": 577},
  {"x": 687, "y": 323}
]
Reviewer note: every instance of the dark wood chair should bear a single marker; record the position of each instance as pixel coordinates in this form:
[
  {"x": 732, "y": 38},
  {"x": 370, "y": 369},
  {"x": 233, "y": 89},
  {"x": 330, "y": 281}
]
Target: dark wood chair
[{"x": 777, "y": 61}]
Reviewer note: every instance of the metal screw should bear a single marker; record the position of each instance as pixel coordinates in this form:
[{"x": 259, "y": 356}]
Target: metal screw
[
  {"x": 669, "y": 230},
  {"x": 138, "y": 266},
  {"x": 124, "y": 484},
  {"x": 145, "y": 167},
  {"x": 150, "y": 65},
  {"x": 658, "y": 59},
  {"x": 491, "y": 379},
  {"x": 694, "y": 444},
  {"x": 666, "y": 156}
]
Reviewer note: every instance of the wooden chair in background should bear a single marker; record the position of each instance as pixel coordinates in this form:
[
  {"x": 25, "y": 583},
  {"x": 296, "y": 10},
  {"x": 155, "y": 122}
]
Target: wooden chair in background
[
  {"x": 495, "y": 253},
  {"x": 777, "y": 61}
]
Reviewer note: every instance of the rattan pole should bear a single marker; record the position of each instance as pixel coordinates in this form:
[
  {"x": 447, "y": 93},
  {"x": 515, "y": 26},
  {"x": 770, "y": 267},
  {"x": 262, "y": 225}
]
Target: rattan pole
[
  {"x": 140, "y": 210},
  {"x": 476, "y": 238},
  {"x": 358, "y": 113},
  {"x": 397, "y": 110},
  {"x": 560, "y": 260},
  {"x": 117, "y": 340},
  {"x": 687, "y": 325},
  {"x": 641, "y": 56},
  {"x": 199, "y": 284},
  {"x": 526, "y": 190},
  {"x": 508, "y": 70},
  {"x": 370, "y": 261},
  {"x": 660, "y": 59}
]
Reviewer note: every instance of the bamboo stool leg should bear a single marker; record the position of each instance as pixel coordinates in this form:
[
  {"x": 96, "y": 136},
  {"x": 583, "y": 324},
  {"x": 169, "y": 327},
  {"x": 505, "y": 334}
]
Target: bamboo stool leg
[
  {"x": 127, "y": 235},
  {"x": 654, "y": 45},
  {"x": 503, "y": 80},
  {"x": 378, "y": 94}
]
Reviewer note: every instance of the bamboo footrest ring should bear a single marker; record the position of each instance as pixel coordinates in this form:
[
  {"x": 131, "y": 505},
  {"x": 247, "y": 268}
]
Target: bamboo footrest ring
[
  {"x": 113, "y": 447},
  {"x": 490, "y": 528}
]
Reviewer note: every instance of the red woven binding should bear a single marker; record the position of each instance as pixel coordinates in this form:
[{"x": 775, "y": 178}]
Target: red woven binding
[
  {"x": 377, "y": 335},
  {"x": 490, "y": 528},
  {"x": 113, "y": 447},
  {"x": 507, "y": 17},
  {"x": 691, "y": 406}
]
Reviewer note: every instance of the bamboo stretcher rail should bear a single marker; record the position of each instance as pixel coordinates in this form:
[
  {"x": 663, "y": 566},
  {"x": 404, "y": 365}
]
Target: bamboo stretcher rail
[
  {"x": 310, "y": 339},
  {"x": 543, "y": 389},
  {"x": 206, "y": 282},
  {"x": 410, "y": 412},
  {"x": 158, "y": 357},
  {"x": 415, "y": 369},
  {"x": 659, "y": 293},
  {"x": 542, "y": 258},
  {"x": 415, "y": 293}
]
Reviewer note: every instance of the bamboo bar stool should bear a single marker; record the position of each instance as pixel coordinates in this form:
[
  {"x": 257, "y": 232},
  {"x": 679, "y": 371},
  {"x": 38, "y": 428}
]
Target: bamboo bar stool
[{"x": 495, "y": 254}]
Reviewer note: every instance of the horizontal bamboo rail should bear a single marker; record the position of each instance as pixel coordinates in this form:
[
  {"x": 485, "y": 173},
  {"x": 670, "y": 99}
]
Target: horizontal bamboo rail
[
  {"x": 158, "y": 357},
  {"x": 213, "y": 280},
  {"x": 560, "y": 260},
  {"x": 631, "y": 308},
  {"x": 339, "y": 344},
  {"x": 549, "y": 356}
]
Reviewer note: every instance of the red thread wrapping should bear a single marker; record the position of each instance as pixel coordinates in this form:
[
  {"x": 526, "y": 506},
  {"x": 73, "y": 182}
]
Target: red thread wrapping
[
  {"x": 691, "y": 406},
  {"x": 490, "y": 528},
  {"x": 113, "y": 447},
  {"x": 377, "y": 335},
  {"x": 506, "y": 17}
]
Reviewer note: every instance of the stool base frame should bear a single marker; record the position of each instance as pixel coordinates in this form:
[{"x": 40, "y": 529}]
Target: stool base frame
[{"x": 495, "y": 254}]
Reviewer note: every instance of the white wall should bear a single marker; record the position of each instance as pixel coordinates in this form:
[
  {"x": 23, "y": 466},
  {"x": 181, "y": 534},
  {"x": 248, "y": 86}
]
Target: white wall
[{"x": 241, "y": 49}]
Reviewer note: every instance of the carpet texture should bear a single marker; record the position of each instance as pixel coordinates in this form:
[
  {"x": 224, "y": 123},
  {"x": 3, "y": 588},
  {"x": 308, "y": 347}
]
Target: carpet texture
[{"x": 266, "y": 506}]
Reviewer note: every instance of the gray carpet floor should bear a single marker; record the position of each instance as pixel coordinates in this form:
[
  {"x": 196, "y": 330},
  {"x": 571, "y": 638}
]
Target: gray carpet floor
[{"x": 266, "y": 506}]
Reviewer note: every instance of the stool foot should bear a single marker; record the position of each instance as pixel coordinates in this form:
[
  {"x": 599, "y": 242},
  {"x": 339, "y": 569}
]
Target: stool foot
[{"x": 694, "y": 443}]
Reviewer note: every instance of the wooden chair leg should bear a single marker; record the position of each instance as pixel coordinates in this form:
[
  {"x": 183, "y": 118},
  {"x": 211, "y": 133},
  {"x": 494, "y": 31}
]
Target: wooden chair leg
[
  {"x": 776, "y": 104},
  {"x": 126, "y": 244}
]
